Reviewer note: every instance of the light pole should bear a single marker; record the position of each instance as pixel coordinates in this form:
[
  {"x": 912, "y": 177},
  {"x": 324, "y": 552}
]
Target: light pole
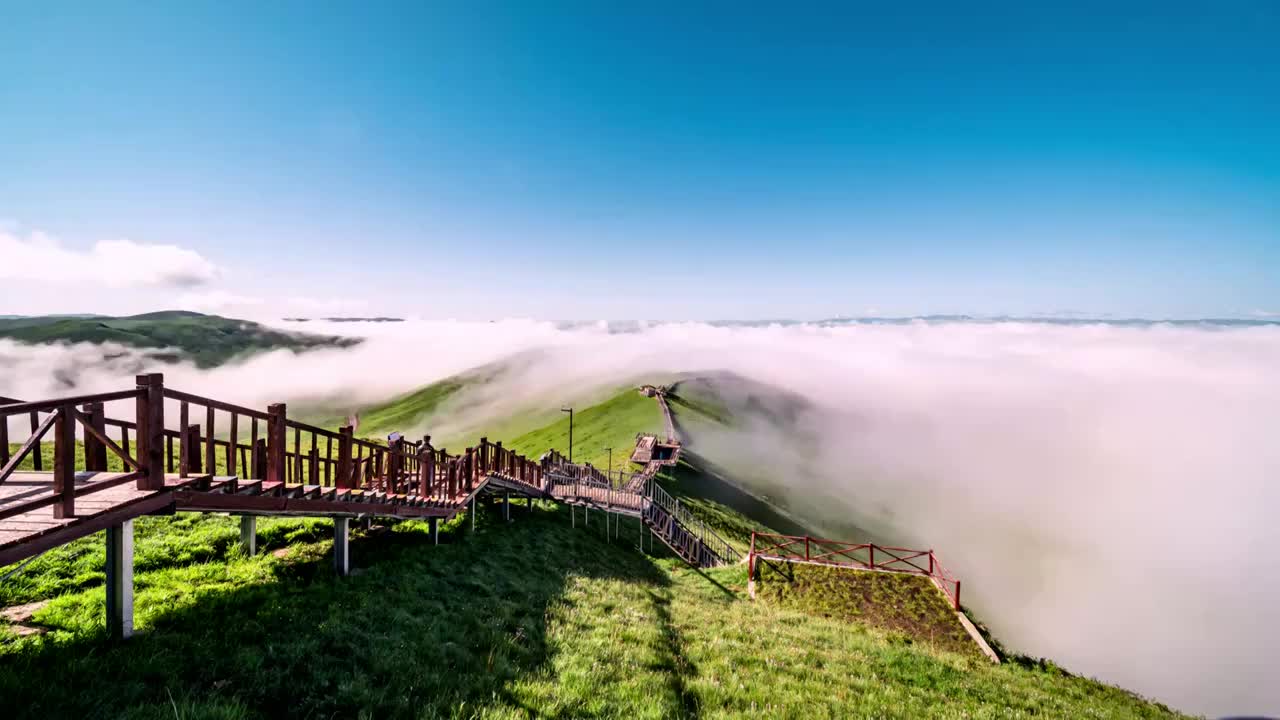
[{"x": 570, "y": 411}]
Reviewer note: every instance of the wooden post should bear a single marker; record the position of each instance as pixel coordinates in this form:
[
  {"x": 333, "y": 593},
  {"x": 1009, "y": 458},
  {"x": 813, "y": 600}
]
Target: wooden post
[
  {"x": 428, "y": 466},
  {"x": 255, "y": 469},
  {"x": 4, "y": 440},
  {"x": 233, "y": 448},
  {"x": 484, "y": 455},
  {"x": 95, "y": 452},
  {"x": 210, "y": 454},
  {"x": 191, "y": 451},
  {"x": 258, "y": 464},
  {"x": 184, "y": 452},
  {"x": 64, "y": 463},
  {"x": 498, "y": 467},
  {"x": 276, "y": 442},
  {"x": 345, "y": 434},
  {"x": 150, "y": 419},
  {"x": 395, "y": 464}
]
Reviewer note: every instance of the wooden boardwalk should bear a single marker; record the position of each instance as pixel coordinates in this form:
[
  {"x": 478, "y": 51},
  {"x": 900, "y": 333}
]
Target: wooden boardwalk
[
  {"x": 282, "y": 467},
  {"x": 103, "y": 499}
]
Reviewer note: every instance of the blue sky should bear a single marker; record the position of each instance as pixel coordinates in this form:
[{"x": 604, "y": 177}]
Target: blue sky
[{"x": 478, "y": 160}]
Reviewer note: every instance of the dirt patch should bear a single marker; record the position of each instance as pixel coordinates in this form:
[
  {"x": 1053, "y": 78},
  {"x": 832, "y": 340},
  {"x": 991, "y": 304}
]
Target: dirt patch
[
  {"x": 19, "y": 618},
  {"x": 22, "y": 613}
]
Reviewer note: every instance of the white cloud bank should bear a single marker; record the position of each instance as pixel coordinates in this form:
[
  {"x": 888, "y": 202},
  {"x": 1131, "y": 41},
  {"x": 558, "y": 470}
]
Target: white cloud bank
[
  {"x": 1107, "y": 494},
  {"x": 108, "y": 263}
]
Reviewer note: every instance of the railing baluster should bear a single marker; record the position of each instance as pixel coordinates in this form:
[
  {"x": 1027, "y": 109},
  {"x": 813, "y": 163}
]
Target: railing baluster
[
  {"x": 64, "y": 463},
  {"x": 233, "y": 444},
  {"x": 37, "y": 455}
]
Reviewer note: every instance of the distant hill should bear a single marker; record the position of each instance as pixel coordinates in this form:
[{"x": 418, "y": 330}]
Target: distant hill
[{"x": 207, "y": 340}]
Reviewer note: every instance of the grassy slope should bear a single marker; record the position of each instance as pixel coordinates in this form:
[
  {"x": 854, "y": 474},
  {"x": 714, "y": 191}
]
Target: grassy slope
[
  {"x": 437, "y": 408},
  {"x": 208, "y": 340},
  {"x": 613, "y": 423},
  {"x": 532, "y": 618},
  {"x": 908, "y": 606}
]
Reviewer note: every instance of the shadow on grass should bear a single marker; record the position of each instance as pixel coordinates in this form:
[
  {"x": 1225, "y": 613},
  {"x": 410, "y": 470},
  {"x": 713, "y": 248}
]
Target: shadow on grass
[
  {"x": 678, "y": 667},
  {"x": 419, "y": 630}
]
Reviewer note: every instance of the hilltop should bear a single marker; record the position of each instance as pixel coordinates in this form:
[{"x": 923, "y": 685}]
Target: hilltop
[
  {"x": 206, "y": 340},
  {"x": 539, "y": 617}
]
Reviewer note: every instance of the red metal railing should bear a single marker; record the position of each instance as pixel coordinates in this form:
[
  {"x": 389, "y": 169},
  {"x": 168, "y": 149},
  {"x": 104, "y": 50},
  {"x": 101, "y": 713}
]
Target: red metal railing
[{"x": 862, "y": 556}]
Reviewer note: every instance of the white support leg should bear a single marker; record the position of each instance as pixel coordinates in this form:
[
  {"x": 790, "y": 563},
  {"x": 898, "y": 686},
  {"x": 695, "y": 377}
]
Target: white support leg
[
  {"x": 342, "y": 545},
  {"x": 473, "y": 513},
  {"x": 506, "y": 506},
  {"x": 435, "y": 531},
  {"x": 120, "y": 580},
  {"x": 249, "y": 534}
]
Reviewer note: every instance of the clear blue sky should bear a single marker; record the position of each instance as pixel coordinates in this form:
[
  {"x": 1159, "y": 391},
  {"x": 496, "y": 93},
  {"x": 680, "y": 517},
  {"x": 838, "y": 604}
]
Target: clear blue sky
[{"x": 479, "y": 160}]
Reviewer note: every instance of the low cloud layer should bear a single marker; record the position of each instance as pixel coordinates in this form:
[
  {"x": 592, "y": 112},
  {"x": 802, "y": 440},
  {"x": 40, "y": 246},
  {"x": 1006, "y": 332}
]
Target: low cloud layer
[
  {"x": 1107, "y": 494},
  {"x": 107, "y": 263}
]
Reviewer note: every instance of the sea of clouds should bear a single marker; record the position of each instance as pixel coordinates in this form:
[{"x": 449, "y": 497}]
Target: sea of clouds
[{"x": 1107, "y": 493}]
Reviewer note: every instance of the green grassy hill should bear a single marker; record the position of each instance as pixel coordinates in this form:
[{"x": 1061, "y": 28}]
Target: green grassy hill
[
  {"x": 533, "y": 618},
  {"x": 207, "y": 340}
]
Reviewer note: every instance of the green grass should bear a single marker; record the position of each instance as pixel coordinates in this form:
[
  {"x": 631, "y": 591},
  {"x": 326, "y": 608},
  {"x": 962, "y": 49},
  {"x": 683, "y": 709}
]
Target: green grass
[
  {"x": 408, "y": 410},
  {"x": 909, "y": 607},
  {"x": 532, "y": 618},
  {"x": 612, "y": 423},
  {"x": 535, "y": 618},
  {"x": 207, "y": 340}
]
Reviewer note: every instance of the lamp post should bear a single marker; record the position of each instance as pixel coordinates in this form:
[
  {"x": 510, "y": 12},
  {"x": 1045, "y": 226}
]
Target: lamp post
[{"x": 570, "y": 411}]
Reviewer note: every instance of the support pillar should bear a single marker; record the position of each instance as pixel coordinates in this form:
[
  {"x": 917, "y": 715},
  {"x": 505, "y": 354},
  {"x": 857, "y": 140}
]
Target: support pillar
[
  {"x": 435, "y": 531},
  {"x": 506, "y": 506},
  {"x": 249, "y": 534},
  {"x": 120, "y": 580},
  {"x": 573, "y": 517},
  {"x": 473, "y": 513},
  {"x": 341, "y": 545}
]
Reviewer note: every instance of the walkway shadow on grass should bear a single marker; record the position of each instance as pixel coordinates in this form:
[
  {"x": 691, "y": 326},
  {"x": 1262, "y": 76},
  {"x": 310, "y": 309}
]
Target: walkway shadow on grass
[
  {"x": 676, "y": 664},
  {"x": 419, "y": 631}
]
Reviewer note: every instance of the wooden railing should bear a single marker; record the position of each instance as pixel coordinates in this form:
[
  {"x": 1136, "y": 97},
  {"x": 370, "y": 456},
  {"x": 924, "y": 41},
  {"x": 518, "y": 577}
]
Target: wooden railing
[
  {"x": 863, "y": 556},
  {"x": 62, "y": 417},
  {"x": 660, "y": 501},
  {"x": 216, "y": 437}
]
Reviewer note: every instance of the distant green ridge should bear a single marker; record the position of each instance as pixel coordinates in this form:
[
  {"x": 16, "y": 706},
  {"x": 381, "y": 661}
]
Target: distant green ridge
[{"x": 206, "y": 340}]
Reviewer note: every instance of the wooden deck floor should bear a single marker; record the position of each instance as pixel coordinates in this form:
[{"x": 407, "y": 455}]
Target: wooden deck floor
[{"x": 37, "y": 530}]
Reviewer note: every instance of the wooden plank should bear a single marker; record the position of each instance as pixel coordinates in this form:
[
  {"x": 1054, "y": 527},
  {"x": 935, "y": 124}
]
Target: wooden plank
[{"x": 16, "y": 548}]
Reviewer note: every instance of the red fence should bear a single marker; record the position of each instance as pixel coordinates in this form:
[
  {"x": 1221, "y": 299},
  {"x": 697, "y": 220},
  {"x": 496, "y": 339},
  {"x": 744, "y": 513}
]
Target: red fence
[
  {"x": 861, "y": 556},
  {"x": 277, "y": 450}
]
